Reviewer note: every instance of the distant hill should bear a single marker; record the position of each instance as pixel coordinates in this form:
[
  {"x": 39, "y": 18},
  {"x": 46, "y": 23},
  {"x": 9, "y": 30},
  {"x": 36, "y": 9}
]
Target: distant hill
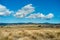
[
  {"x": 14, "y": 23},
  {"x": 25, "y": 23},
  {"x": 48, "y": 25}
]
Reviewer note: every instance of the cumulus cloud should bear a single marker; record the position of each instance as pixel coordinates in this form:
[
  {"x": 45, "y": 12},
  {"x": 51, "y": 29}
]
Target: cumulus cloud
[
  {"x": 29, "y": 9},
  {"x": 25, "y": 11},
  {"x": 4, "y": 11},
  {"x": 36, "y": 15},
  {"x": 50, "y": 15},
  {"x": 41, "y": 15}
]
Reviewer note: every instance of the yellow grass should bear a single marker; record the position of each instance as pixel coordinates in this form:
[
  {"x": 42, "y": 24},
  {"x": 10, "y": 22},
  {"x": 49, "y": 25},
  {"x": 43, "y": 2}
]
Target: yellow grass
[{"x": 29, "y": 33}]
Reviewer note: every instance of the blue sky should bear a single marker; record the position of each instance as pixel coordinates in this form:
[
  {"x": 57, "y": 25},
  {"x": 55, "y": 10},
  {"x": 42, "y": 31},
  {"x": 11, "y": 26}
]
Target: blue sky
[{"x": 35, "y": 11}]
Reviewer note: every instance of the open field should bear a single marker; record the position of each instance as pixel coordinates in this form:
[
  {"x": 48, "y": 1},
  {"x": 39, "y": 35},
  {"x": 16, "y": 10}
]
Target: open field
[{"x": 30, "y": 33}]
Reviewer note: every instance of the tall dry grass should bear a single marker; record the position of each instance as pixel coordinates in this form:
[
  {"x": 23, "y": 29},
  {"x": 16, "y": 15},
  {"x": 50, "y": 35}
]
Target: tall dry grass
[{"x": 29, "y": 34}]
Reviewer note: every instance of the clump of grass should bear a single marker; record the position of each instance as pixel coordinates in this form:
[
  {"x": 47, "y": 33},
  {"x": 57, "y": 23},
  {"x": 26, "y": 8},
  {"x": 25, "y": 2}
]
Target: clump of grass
[
  {"x": 49, "y": 35},
  {"x": 33, "y": 37},
  {"x": 58, "y": 34}
]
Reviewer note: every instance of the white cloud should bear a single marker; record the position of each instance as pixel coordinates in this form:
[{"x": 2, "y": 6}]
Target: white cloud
[
  {"x": 36, "y": 15},
  {"x": 25, "y": 11},
  {"x": 50, "y": 15},
  {"x": 29, "y": 9},
  {"x": 41, "y": 15},
  {"x": 32, "y": 16},
  {"x": 4, "y": 11}
]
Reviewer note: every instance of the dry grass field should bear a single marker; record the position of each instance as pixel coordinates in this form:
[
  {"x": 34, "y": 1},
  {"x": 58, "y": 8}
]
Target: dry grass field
[{"x": 29, "y": 33}]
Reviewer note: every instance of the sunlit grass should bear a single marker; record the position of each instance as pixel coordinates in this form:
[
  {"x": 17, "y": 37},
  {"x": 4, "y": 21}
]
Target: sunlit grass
[{"x": 29, "y": 34}]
